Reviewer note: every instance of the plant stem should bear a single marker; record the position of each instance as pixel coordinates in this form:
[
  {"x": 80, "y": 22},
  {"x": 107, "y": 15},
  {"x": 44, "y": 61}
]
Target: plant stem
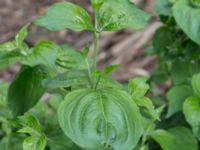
[
  {"x": 89, "y": 73},
  {"x": 98, "y": 80},
  {"x": 96, "y": 44}
]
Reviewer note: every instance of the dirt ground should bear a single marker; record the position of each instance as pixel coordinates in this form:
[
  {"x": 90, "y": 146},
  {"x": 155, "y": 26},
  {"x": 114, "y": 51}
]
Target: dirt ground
[{"x": 124, "y": 47}]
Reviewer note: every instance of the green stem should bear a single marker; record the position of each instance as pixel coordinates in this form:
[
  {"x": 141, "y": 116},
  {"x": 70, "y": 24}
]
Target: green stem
[
  {"x": 98, "y": 80},
  {"x": 96, "y": 44},
  {"x": 89, "y": 73}
]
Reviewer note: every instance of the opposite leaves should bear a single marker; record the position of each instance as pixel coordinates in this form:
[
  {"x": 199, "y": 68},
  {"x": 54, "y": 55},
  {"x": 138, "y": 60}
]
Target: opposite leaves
[{"x": 101, "y": 119}]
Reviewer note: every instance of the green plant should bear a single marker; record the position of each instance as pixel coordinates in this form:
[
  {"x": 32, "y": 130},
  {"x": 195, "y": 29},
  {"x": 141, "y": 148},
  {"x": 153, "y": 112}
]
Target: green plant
[{"x": 87, "y": 109}]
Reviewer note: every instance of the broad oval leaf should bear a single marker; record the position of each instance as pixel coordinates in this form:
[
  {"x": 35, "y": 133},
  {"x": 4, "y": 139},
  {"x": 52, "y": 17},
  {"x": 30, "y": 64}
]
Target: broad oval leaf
[
  {"x": 114, "y": 15},
  {"x": 101, "y": 119},
  {"x": 177, "y": 138},
  {"x": 176, "y": 96},
  {"x": 65, "y": 15},
  {"x": 191, "y": 110},
  {"x": 25, "y": 90},
  {"x": 69, "y": 79},
  {"x": 191, "y": 22},
  {"x": 196, "y": 84}
]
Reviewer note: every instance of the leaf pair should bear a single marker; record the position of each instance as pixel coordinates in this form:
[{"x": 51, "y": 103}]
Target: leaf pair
[{"x": 111, "y": 16}]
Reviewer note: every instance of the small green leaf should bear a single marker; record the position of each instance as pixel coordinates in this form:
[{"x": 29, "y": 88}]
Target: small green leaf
[
  {"x": 176, "y": 96},
  {"x": 196, "y": 84},
  {"x": 21, "y": 35},
  {"x": 25, "y": 90},
  {"x": 177, "y": 138},
  {"x": 65, "y": 15},
  {"x": 29, "y": 122},
  {"x": 34, "y": 143},
  {"x": 109, "y": 69},
  {"x": 191, "y": 22},
  {"x": 191, "y": 110},
  {"x": 114, "y": 15},
  {"x": 96, "y": 4},
  {"x": 101, "y": 119},
  {"x": 138, "y": 87},
  {"x": 69, "y": 79},
  {"x": 8, "y": 46},
  {"x": 86, "y": 50}
]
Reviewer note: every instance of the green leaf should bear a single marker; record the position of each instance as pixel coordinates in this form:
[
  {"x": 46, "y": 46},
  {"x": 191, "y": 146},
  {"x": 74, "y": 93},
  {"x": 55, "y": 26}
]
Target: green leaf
[
  {"x": 34, "y": 143},
  {"x": 21, "y": 35},
  {"x": 177, "y": 138},
  {"x": 69, "y": 58},
  {"x": 147, "y": 108},
  {"x": 55, "y": 101},
  {"x": 107, "y": 81},
  {"x": 196, "y": 84},
  {"x": 145, "y": 147},
  {"x": 195, "y": 3},
  {"x": 163, "y": 39},
  {"x": 182, "y": 70},
  {"x": 114, "y": 15},
  {"x": 191, "y": 110},
  {"x": 69, "y": 79},
  {"x": 109, "y": 69},
  {"x": 59, "y": 141},
  {"x": 191, "y": 22},
  {"x": 176, "y": 96},
  {"x": 101, "y": 119},
  {"x": 8, "y": 46},
  {"x": 138, "y": 87},
  {"x": 25, "y": 90},
  {"x": 86, "y": 50},
  {"x": 65, "y": 15},
  {"x": 163, "y": 7},
  {"x": 11, "y": 143},
  {"x": 44, "y": 53},
  {"x": 30, "y": 124}
]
